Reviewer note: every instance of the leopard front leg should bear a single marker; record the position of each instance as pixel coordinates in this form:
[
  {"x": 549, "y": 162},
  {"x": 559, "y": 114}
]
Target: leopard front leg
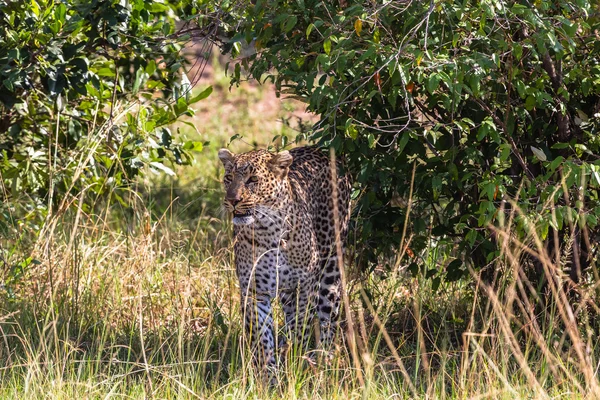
[
  {"x": 298, "y": 307},
  {"x": 258, "y": 321}
]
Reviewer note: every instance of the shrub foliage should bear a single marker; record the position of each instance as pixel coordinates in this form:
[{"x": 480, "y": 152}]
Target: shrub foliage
[
  {"x": 87, "y": 93},
  {"x": 486, "y": 100}
]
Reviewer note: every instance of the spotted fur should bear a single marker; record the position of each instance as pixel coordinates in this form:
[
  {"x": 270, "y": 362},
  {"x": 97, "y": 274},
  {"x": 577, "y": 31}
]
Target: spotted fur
[{"x": 284, "y": 245}]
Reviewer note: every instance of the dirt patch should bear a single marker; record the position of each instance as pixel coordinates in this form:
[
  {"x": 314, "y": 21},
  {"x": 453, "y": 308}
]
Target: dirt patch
[{"x": 251, "y": 109}]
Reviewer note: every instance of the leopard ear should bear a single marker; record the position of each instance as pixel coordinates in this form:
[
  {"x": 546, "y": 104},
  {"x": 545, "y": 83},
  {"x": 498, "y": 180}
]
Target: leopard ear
[
  {"x": 281, "y": 162},
  {"x": 226, "y": 156}
]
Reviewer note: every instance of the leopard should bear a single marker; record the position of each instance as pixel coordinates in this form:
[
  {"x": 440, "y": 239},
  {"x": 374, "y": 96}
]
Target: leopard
[{"x": 288, "y": 242}]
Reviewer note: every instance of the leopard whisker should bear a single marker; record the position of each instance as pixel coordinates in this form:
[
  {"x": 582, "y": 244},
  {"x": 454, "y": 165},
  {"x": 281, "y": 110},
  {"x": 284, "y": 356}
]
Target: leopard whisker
[{"x": 272, "y": 217}]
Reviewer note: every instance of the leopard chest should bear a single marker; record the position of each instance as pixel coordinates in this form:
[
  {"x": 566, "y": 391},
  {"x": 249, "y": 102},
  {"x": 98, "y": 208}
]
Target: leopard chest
[{"x": 273, "y": 261}]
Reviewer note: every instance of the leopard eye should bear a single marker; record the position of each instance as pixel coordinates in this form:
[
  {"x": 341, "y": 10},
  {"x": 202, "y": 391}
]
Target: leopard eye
[
  {"x": 227, "y": 177},
  {"x": 253, "y": 179}
]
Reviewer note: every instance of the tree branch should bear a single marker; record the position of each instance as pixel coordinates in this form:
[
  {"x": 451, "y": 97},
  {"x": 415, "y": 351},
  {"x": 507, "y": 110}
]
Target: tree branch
[
  {"x": 511, "y": 141},
  {"x": 563, "y": 121}
]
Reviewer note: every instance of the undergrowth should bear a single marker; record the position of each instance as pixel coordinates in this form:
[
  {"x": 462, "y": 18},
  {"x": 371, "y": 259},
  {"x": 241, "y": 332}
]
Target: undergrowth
[
  {"x": 152, "y": 312},
  {"x": 139, "y": 299}
]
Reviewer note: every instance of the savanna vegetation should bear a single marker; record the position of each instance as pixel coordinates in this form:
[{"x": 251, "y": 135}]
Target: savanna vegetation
[{"x": 471, "y": 131}]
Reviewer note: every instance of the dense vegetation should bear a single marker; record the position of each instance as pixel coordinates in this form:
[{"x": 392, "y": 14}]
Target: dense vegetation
[
  {"x": 471, "y": 129},
  {"x": 486, "y": 102},
  {"x": 79, "y": 100}
]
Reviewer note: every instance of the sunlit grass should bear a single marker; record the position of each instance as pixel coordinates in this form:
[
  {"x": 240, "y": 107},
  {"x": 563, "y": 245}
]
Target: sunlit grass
[{"x": 154, "y": 313}]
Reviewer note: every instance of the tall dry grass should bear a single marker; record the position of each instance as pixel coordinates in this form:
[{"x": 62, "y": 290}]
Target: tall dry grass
[{"x": 143, "y": 305}]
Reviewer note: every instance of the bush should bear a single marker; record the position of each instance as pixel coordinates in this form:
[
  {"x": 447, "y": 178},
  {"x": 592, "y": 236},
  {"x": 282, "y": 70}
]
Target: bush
[
  {"x": 80, "y": 108},
  {"x": 486, "y": 101}
]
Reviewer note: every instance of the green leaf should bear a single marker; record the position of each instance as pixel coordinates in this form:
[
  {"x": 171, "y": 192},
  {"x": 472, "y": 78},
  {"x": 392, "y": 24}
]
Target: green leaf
[
  {"x": 140, "y": 78},
  {"x": 496, "y": 60},
  {"x": 539, "y": 153},
  {"x": 156, "y": 7},
  {"x": 151, "y": 67},
  {"x": 556, "y": 162},
  {"x": 190, "y": 124},
  {"x": 106, "y": 72},
  {"x": 327, "y": 46},
  {"x": 487, "y": 128},
  {"x": 35, "y": 8},
  {"x": 520, "y": 88},
  {"x": 490, "y": 190},
  {"x": 595, "y": 174},
  {"x": 419, "y": 225},
  {"x": 235, "y": 137},
  {"x": 404, "y": 138},
  {"x": 160, "y": 166},
  {"x": 560, "y": 217},
  {"x": 309, "y": 29},
  {"x": 371, "y": 139},
  {"x": 435, "y": 283},
  {"x": 433, "y": 83},
  {"x": 518, "y": 51},
  {"x": 290, "y": 23},
  {"x": 352, "y": 132},
  {"x": 591, "y": 220},
  {"x": 471, "y": 237},
  {"x": 436, "y": 186},
  {"x": 569, "y": 27},
  {"x": 377, "y": 36},
  {"x": 543, "y": 226},
  {"x": 323, "y": 60},
  {"x": 482, "y": 132},
  {"x": 529, "y": 103},
  {"x": 582, "y": 148},
  {"x": 149, "y": 125},
  {"x": 202, "y": 95},
  {"x": 60, "y": 11},
  {"x": 193, "y": 146}
]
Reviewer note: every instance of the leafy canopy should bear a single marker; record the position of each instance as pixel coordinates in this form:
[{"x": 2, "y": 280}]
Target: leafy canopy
[{"x": 486, "y": 100}]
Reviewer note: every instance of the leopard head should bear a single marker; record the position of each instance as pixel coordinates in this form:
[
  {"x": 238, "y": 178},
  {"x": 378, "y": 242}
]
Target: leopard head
[{"x": 254, "y": 183}]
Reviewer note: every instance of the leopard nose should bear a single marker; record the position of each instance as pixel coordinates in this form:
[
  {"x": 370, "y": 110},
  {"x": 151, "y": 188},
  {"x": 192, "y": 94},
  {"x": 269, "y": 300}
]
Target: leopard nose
[{"x": 234, "y": 200}]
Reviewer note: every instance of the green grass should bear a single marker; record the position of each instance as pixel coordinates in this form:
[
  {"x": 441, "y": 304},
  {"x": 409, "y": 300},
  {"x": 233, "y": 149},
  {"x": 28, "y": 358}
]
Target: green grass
[{"x": 142, "y": 302}]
